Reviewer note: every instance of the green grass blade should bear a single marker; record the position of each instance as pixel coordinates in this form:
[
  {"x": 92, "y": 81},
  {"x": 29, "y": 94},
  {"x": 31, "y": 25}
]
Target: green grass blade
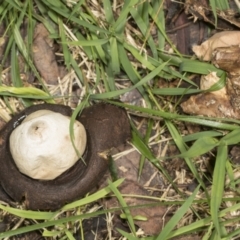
[
  {"x": 182, "y": 148},
  {"x": 120, "y": 22},
  {"x": 195, "y": 66},
  {"x": 177, "y": 216},
  {"x": 143, "y": 81},
  {"x": 232, "y": 137},
  {"x": 15, "y": 74},
  {"x": 197, "y": 135},
  {"x": 28, "y": 213},
  {"x": 153, "y": 13},
  {"x": 108, "y": 11},
  {"x": 69, "y": 235},
  {"x": 29, "y": 92},
  {"x": 175, "y": 91},
  {"x": 123, "y": 204},
  {"x": 210, "y": 122},
  {"x": 200, "y": 146},
  {"x": 127, "y": 235},
  {"x": 144, "y": 27},
  {"x": 86, "y": 43},
  {"x": 130, "y": 71},
  {"x": 146, "y": 152},
  {"x": 66, "y": 52},
  {"x": 76, "y": 7},
  {"x": 218, "y": 184},
  {"x": 159, "y": 19},
  {"x": 93, "y": 197},
  {"x": 115, "y": 64}
]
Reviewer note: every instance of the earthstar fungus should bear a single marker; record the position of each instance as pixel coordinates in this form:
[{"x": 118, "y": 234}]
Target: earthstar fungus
[
  {"x": 41, "y": 145},
  {"x": 107, "y": 127}
]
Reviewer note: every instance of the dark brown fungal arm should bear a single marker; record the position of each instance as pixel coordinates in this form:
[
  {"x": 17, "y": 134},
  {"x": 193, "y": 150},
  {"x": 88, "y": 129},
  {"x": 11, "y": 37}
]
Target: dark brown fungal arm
[{"x": 107, "y": 127}]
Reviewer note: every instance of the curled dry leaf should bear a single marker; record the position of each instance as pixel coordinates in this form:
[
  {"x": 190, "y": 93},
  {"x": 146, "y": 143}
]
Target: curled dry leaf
[{"x": 218, "y": 40}]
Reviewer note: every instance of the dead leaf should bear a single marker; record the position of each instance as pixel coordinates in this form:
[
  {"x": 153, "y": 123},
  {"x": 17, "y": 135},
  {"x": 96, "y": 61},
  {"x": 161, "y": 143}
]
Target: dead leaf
[
  {"x": 43, "y": 55},
  {"x": 228, "y": 58},
  {"x": 211, "y": 105},
  {"x": 218, "y": 40}
]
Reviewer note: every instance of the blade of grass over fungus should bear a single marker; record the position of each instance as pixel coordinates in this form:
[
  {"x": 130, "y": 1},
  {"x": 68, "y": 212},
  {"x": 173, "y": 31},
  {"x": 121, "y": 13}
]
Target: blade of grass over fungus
[
  {"x": 177, "y": 216},
  {"x": 123, "y": 204},
  {"x": 93, "y": 197},
  {"x": 75, "y": 113},
  {"x": 28, "y": 213},
  {"x": 28, "y": 92},
  {"x": 218, "y": 185}
]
